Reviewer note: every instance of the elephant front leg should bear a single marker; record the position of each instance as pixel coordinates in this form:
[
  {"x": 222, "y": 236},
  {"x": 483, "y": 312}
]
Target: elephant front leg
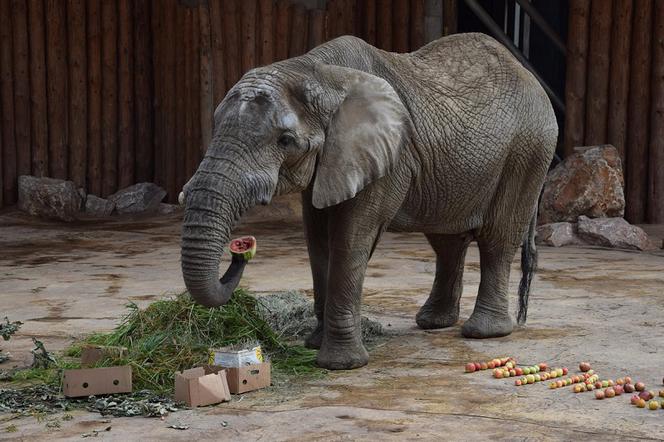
[
  {"x": 442, "y": 308},
  {"x": 341, "y": 347}
]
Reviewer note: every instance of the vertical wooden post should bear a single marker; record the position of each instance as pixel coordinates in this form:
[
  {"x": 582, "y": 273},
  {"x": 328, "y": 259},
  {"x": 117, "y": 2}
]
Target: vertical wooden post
[
  {"x": 619, "y": 74},
  {"x": 316, "y": 27},
  {"x": 266, "y": 26},
  {"x": 170, "y": 93},
  {"x": 206, "y": 81},
  {"x": 298, "y": 37},
  {"x": 21, "y": 85},
  {"x": 126, "y": 148},
  {"x": 194, "y": 153},
  {"x": 185, "y": 101},
  {"x": 144, "y": 165},
  {"x": 400, "y": 26},
  {"x": 656, "y": 161},
  {"x": 157, "y": 25},
  {"x": 8, "y": 153},
  {"x": 637, "y": 120},
  {"x": 334, "y": 19},
  {"x": 384, "y": 24},
  {"x": 575, "y": 89},
  {"x": 109, "y": 107},
  {"x": 369, "y": 24},
  {"x": 38, "y": 101},
  {"x": 248, "y": 20},
  {"x": 598, "y": 72},
  {"x": 416, "y": 24},
  {"x": 78, "y": 92},
  {"x": 231, "y": 21},
  {"x": 282, "y": 30},
  {"x": 218, "y": 56},
  {"x": 93, "y": 21},
  {"x": 450, "y": 16},
  {"x": 56, "y": 61}
]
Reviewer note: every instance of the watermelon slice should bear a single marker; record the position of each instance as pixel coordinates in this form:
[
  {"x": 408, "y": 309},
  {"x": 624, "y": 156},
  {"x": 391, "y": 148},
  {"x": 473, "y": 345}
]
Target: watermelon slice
[{"x": 244, "y": 247}]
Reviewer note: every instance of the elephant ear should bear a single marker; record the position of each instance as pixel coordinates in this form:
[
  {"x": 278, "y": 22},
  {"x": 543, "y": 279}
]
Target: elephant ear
[{"x": 364, "y": 138}]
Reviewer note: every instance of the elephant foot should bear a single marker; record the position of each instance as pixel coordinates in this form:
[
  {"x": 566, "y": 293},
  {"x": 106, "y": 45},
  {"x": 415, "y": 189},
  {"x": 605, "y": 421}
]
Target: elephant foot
[
  {"x": 482, "y": 324},
  {"x": 429, "y": 317},
  {"x": 344, "y": 357},
  {"x": 315, "y": 339}
]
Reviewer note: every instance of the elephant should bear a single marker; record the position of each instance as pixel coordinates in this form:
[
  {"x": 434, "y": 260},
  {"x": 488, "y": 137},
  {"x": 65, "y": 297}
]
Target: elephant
[{"x": 452, "y": 140}]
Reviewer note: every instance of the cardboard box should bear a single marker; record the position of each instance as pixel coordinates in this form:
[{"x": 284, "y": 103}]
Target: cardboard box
[
  {"x": 91, "y": 354},
  {"x": 227, "y": 358},
  {"x": 94, "y": 381},
  {"x": 248, "y": 378},
  {"x": 202, "y": 386}
]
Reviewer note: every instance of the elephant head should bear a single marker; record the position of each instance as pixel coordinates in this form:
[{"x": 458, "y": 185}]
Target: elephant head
[{"x": 281, "y": 129}]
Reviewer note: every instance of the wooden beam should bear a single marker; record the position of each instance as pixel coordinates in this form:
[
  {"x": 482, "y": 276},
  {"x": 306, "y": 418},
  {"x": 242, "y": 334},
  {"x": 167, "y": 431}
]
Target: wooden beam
[
  {"x": 78, "y": 92},
  {"x": 450, "y": 16},
  {"x": 109, "y": 106},
  {"x": 144, "y": 166},
  {"x": 299, "y": 28},
  {"x": 416, "y": 24},
  {"x": 248, "y": 21},
  {"x": 400, "y": 26},
  {"x": 638, "y": 110},
  {"x": 126, "y": 148},
  {"x": 206, "y": 81},
  {"x": 194, "y": 155},
  {"x": 94, "y": 154},
  {"x": 384, "y": 25},
  {"x": 656, "y": 160},
  {"x": 185, "y": 100},
  {"x": 231, "y": 22},
  {"x": 369, "y": 21},
  {"x": 8, "y": 153},
  {"x": 157, "y": 26},
  {"x": 316, "y": 28},
  {"x": 21, "y": 54},
  {"x": 575, "y": 90},
  {"x": 282, "y": 30},
  {"x": 266, "y": 27},
  {"x": 38, "y": 100},
  {"x": 170, "y": 92}
]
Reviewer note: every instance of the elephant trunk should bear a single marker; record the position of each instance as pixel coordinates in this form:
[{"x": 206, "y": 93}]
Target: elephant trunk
[{"x": 210, "y": 216}]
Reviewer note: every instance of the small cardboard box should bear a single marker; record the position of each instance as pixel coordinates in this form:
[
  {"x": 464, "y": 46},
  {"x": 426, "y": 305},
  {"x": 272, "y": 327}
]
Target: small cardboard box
[
  {"x": 248, "y": 378},
  {"x": 91, "y": 354},
  {"x": 226, "y": 357},
  {"x": 201, "y": 386},
  {"x": 94, "y": 381}
]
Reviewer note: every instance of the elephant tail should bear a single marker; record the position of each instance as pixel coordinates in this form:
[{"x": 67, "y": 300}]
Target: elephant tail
[{"x": 528, "y": 269}]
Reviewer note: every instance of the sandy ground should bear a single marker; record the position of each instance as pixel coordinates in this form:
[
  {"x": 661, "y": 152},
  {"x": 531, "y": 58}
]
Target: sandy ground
[{"x": 603, "y": 306}]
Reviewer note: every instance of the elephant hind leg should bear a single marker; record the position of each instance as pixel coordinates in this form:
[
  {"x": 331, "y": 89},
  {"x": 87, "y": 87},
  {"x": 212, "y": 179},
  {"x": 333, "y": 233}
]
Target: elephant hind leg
[{"x": 442, "y": 308}]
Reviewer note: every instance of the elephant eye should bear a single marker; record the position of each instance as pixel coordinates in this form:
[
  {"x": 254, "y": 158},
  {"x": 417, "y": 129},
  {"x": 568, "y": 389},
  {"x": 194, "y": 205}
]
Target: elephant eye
[{"x": 286, "y": 140}]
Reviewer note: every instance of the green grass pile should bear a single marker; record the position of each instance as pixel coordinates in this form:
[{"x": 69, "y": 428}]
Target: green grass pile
[{"x": 175, "y": 334}]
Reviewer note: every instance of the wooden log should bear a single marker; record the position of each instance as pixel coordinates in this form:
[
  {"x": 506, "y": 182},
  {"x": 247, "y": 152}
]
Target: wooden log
[
  {"x": 334, "y": 19},
  {"x": 78, "y": 92},
  {"x": 638, "y": 109},
  {"x": 619, "y": 75},
  {"x": 400, "y": 26},
  {"x": 218, "y": 56},
  {"x": 95, "y": 157},
  {"x": 8, "y": 153},
  {"x": 109, "y": 103},
  {"x": 598, "y": 72},
  {"x": 316, "y": 28},
  {"x": 206, "y": 81},
  {"x": 194, "y": 154},
  {"x": 266, "y": 27},
  {"x": 416, "y": 24},
  {"x": 384, "y": 24},
  {"x": 38, "y": 100},
  {"x": 170, "y": 93},
  {"x": 450, "y": 16},
  {"x": 350, "y": 24},
  {"x": 248, "y": 20},
  {"x": 56, "y": 62},
  {"x": 126, "y": 130},
  {"x": 656, "y": 159},
  {"x": 185, "y": 100},
  {"x": 157, "y": 25},
  {"x": 299, "y": 28},
  {"x": 575, "y": 90},
  {"x": 21, "y": 56},
  {"x": 282, "y": 30},
  {"x": 231, "y": 22},
  {"x": 144, "y": 166},
  {"x": 369, "y": 21}
]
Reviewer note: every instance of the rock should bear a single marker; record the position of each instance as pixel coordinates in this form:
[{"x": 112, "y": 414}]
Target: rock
[
  {"x": 98, "y": 207},
  {"x": 48, "y": 197},
  {"x": 589, "y": 182},
  {"x": 165, "y": 209},
  {"x": 558, "y": 235},
  {"x": 139, "y": 198},
  {"x": 613, "y": 232}
]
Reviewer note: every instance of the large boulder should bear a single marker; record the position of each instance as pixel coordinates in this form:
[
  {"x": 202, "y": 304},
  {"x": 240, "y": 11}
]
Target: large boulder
[
  {"x": 558, "y": 235},
  {"x": 588, "y": 182},
  {"x": 48, "y": 197},
  {"x": 613, "y": 232},
  {"x": 98, "y": 207},
  {"x": 139, "y": 198}
]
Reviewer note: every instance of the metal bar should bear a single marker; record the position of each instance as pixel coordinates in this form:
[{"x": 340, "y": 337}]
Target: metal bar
[
  {"x": 541, "y": 22},
  {"x": 498, "y": 33}
]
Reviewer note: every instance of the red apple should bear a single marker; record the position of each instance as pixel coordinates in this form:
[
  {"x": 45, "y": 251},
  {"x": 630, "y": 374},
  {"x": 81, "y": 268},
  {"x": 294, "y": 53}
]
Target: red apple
[
  {"x": 619, "y": 390},
  {"x": 599, "y": 394},
  {"x": 584, "y": 366},
  {"x": 640, "y": 386},
  {"x": 629, "y": 388},
  {"x": 470, "y": 367},
  {"x": 565, "y": 371},
  {"x": 609, "y": 392}
]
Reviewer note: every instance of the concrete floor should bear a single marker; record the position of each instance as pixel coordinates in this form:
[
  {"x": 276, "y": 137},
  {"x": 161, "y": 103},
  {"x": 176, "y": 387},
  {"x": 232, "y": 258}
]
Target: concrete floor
[{"x": 602, "y": 306}]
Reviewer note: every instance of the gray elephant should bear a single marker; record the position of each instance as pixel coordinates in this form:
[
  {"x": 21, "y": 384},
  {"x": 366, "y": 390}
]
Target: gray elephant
[{"x": 453, "y": 140}]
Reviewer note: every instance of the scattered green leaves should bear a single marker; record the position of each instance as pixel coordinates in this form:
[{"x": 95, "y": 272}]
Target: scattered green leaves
[{"x": 9, "y": 328}]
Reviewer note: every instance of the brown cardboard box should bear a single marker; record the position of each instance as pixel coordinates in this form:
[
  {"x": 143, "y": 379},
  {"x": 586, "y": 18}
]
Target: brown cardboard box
[
  {"x": 94, "y": 381},
  {"x": 248, "y": 378},
  {"x": 202, "y": 386},
  {"x": 91, "y": 354}
]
